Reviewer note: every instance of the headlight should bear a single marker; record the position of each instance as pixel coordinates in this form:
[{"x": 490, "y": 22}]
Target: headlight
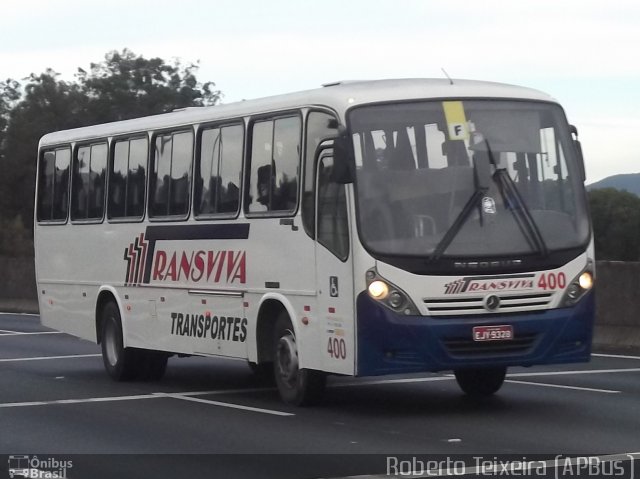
[
  {"x": 378, "y": 289},
  {"x": 578, "y": 287},
  {"x": 389, "y": 294},
  {"x": 586, "y": 280}
]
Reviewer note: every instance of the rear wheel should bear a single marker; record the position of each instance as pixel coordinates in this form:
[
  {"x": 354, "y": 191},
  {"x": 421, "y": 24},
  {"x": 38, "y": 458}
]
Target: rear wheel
[
  {"x": 120, "y": 362},
  {"x": 263, "y": 372},
  {"x": 300, "y": 387},
  {"x": 125, "y": 364},
  {"x": 151, "y": 365},
  {"x": 480, "y": 382}
]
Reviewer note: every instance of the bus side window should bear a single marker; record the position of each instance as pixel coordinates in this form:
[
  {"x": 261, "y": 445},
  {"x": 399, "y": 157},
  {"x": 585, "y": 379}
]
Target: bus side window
[
  {"x": 127, "y": 178},
  {"x": 286, "y": 155},
  {"x": 275, "y": 160},
  {"x": 88, "y": 184},
  {"x": 218, "y": 169},
  {"x": 333, "y": 225},
  {"x": 53, "y": 185},
  {"x": 319, "y": 126},
  {"x": 171, "y": 175}
]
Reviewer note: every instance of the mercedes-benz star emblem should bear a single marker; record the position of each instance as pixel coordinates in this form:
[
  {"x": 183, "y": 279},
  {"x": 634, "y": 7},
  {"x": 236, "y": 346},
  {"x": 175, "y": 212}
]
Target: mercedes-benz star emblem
[{"x": 491, "y": 302}]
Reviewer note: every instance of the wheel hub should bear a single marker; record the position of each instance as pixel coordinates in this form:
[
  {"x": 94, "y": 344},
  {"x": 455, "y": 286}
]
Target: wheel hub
[
  {"x": 287, "y": 359},
  {"x": 111, "y": 344}
]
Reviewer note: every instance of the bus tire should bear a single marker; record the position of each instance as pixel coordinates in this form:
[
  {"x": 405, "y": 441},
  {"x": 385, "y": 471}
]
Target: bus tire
[
  {"x": 151, "y": 365},
  {"x": 120, "y": 362},
  {"x": 263, "y": 372},
  {"x": 480, "y": 382},
  {"x": 298, "y": 387}
]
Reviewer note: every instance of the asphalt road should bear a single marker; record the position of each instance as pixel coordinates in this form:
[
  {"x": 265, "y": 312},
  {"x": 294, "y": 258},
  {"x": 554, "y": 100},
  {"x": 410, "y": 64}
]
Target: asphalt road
[{"x": 56, "y": 401}]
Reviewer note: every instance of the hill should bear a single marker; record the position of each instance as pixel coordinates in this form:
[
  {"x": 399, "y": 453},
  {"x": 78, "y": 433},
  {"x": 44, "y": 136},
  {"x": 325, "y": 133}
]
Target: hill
[{"x": 628, "y": 182}]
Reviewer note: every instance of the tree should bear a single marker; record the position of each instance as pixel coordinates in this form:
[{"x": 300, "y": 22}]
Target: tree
[
  {"x": 616, "y": 224},
  {"x": 9, "y": 94},
  {"x": 47, "y": 104},
  {"x": 128, "y": 86},
  {"x": 123, "y": 86}
]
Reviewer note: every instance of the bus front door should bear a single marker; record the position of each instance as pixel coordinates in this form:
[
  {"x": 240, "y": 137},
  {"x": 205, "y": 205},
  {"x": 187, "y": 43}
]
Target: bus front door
[{"x": 334, "y": 271}]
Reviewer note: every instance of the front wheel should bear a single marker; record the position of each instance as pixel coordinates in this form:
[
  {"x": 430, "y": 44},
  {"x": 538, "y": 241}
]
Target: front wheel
[
  {"x": 480, "y": 382},
  {"x": 300, "y": 387}
]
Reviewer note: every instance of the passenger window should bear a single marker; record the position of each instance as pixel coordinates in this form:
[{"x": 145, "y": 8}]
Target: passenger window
[
  {"x": 88, "y": 185},
  {"x": 218, "y": 169},
  {"x": 333, "y": 224},
  {"x": 128, "y": 178},
  {"x": 319, "y": 126},
  {"x": 53, "y": 185},
  {"x": 171, "y": 174},
  {"x": 275, "y": 159}
]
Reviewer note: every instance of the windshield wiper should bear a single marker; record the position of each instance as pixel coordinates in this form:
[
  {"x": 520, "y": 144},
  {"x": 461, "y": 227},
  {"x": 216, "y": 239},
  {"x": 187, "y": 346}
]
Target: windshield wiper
[
  {"x": 512, "y": 197},
  {"x": 482, "y": 179}
]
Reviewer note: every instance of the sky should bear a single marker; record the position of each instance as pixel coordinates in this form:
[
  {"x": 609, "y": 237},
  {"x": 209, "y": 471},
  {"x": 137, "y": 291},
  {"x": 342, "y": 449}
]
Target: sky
[{"x": 585, "y": 53}]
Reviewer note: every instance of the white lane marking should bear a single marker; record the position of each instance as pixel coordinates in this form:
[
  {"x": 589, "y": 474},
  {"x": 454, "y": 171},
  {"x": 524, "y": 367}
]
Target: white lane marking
[
  {"x": 43, "y": 358},
  {"x": 392, "y": 381},
  {"x": 22, "y": 333},
  {"x": 511, "y": 375},
  {"x": 568, "y": 373},
  {"x": 19, "y": 314},
  {"x": 618, "y": 356},
  {"x": 450, "y": 377},
  {"x": 562, "y": 386},
  {"x": 224, "y": 404},
  {"x": 225, "y": 391},
  {"x": 78, "y": 401},
  {"x": 183, "y": 395}
]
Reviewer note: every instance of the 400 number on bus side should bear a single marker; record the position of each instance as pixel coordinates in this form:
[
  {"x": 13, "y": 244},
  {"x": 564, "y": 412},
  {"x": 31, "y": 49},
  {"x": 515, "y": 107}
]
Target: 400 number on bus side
[{"x": 337, "y": 348}]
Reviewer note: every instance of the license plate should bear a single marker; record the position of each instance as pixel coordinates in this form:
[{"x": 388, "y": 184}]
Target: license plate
[{"x": 493, "y": 333}]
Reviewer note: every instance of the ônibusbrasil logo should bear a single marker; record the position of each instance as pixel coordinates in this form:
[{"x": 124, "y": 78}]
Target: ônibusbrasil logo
[{"x": 34, "y": 467}]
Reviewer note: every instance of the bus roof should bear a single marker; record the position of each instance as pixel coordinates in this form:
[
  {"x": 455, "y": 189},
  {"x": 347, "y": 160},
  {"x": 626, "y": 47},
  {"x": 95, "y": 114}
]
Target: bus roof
[{"x": 338, "y": 96}]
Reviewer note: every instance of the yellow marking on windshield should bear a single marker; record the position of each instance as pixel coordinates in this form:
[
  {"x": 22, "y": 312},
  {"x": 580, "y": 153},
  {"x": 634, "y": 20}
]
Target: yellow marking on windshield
[{"x": 456, "y": 120}]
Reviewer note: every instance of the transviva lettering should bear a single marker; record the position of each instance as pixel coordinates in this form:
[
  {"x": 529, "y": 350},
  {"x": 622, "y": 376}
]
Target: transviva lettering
[
  {"x": 200, "y": 266},
  {"x": 501, "y": 285}
]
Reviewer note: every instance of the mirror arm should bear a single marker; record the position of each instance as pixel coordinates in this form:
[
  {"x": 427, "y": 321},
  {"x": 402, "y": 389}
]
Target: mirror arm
[{"x": 578, "y": 147}]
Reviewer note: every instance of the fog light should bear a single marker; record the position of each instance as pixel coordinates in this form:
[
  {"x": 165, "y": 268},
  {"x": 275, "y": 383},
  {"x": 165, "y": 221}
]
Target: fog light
[
  {"x": 396, "y": 300},
  {"x": 573, "y": 291},
  {"x": 378, "y": 289},
  {"x": 586, "y": 280}
]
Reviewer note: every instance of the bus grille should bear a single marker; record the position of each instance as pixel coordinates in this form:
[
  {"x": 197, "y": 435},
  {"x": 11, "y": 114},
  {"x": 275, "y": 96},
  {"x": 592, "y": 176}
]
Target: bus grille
[
  {"x": 469, "y": 347},
  {"x": 474, "y": 304}
]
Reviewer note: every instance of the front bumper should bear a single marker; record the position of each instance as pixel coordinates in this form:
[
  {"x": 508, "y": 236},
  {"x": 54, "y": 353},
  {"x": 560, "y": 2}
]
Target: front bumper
[{"x": 389, "y": 343}]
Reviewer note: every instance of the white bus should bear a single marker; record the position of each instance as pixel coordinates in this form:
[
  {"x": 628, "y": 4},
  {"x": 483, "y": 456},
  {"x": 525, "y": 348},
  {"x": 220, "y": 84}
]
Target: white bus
[{"x": 363, "y": 228}]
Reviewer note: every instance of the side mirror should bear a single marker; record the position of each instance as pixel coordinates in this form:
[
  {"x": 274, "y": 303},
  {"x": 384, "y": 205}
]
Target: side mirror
[
  {"x": 578, "y": 147},
  {"x": 342, "y": 168},
  {"x": 342, "y": 171}
]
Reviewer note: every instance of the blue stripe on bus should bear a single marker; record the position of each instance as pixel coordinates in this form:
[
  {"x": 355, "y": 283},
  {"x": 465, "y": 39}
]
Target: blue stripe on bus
[{"x": 389, "y": 343}]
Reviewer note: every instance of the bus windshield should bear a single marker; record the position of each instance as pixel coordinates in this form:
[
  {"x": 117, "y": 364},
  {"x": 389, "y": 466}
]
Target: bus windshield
[{"x": 472, "y": 178}]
